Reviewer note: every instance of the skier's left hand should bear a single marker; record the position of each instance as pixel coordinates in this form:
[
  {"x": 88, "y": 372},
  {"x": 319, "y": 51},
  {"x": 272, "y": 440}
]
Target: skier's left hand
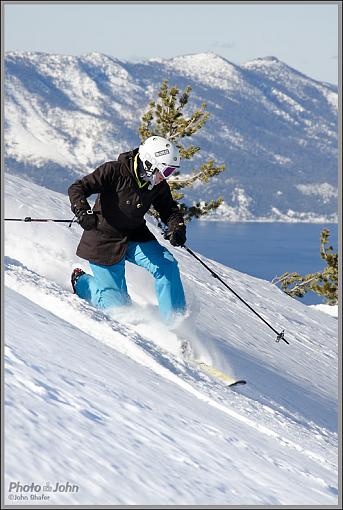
[{"x": 177, "y": 234}]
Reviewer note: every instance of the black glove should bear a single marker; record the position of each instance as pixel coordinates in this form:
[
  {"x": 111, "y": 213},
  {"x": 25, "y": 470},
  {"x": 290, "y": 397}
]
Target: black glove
[
  {"x": 86, "y": 218},
  {"x": 176, "y": 232}
]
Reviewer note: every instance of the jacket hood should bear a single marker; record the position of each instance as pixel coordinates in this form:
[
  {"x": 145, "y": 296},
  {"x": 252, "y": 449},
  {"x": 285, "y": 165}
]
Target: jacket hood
[{"x": 127, "y": 157}]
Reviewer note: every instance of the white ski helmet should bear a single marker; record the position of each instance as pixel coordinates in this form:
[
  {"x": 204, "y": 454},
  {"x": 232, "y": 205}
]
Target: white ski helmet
[{"x": 161, "y": 154}]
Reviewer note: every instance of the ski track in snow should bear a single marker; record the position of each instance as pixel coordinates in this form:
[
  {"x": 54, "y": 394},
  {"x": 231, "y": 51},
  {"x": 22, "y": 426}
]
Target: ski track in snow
[{"x": 284, "y": 419}]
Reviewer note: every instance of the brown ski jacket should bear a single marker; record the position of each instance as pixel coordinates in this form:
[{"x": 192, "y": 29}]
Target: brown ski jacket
[{"x": 120, "y": 208}]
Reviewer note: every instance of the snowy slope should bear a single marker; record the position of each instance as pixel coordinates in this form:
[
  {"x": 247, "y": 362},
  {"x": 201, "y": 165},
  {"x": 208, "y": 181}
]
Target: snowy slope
[
  {"x": 268, "y": 123},
  {"x": 107, "y": 402}
]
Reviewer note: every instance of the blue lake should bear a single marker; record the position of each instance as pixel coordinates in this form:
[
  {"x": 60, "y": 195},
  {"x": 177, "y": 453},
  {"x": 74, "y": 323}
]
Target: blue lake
[{"x": 263, "y": 250}]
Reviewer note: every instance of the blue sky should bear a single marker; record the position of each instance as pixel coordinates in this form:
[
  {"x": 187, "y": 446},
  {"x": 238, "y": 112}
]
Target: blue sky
[{"x": 304, "y": 36}]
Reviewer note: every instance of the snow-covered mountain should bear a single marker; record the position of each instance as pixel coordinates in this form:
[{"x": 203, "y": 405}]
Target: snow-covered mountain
[
  {"x": 106, "y": 403},
  {"x": 273, "y": 127}
]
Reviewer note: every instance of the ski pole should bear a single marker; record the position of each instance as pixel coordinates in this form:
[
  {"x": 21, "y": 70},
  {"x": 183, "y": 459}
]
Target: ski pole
[
  {"x": 280, "y": 336},
  {"x": 28, "y": 219}
]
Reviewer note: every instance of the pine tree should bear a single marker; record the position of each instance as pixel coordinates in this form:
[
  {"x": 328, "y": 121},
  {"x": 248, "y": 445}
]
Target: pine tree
[
  {"x": 165, "y": 117},
  {"x": 324, "y": 283}
]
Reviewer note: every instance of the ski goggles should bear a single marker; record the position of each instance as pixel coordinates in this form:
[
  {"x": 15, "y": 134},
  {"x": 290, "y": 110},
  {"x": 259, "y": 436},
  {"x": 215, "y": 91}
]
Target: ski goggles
[{"x": 165, "y": 171}]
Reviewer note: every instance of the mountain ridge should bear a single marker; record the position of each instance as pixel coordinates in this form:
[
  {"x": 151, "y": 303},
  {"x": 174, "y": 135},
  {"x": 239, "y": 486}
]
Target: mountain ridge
[{"x": 274, "y": 128}]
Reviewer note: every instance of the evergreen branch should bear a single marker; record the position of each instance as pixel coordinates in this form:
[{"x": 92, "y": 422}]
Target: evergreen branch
[
  {"x": 305, "y": 283},
  {"x": 192, "y": 122},
  {"x": 279, "y": 279},
  {"x": 323, "y": 283},
  {"x": 165, "y": 118}
]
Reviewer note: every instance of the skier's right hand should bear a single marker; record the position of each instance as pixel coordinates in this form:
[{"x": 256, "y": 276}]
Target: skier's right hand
[{"x": 86, "y": 218}]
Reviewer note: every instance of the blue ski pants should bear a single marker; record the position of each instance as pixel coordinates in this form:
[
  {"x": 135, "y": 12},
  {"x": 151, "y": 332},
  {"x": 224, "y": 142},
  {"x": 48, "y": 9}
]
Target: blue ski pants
[{"x": 107, "y": 287}]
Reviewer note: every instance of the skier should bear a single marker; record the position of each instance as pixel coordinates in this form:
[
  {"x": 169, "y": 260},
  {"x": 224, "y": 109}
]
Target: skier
[{"x": 115, "y": 230}]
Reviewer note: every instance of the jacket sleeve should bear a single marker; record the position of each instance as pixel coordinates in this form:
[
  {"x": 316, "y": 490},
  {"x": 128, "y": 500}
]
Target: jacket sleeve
[
  {"x": 97, "y": 182},
  {"x": 166, "y": 206}
]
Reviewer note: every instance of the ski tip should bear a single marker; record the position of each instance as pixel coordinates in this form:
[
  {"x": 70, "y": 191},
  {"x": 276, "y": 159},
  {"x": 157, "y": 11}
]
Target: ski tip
[
  {"x": 237, "y": 383},
  {"x": 225, "y": 379}
]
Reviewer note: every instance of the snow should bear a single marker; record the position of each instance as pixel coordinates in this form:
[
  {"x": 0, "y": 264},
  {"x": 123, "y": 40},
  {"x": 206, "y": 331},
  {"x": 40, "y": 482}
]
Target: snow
[
  {"x": 287, "y": 100},
  {"x": 323, "y": 190},
  {"x": 106, "y": 402},
  {"x": 329, "y": 309},
  {"x": 239, "y": 211},
  {"x": 37, "y": 136},
  {"x": 296, "y": 217},
  {"x": 210, "y": 68}
]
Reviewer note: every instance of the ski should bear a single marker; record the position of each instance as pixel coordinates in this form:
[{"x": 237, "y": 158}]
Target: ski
[
  {"x": 218, "y": 374},
  {"x": 215, "y": 373}
]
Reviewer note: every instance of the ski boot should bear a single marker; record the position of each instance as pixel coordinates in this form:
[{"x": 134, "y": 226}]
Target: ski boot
[{"x": 75, "y": 276}]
